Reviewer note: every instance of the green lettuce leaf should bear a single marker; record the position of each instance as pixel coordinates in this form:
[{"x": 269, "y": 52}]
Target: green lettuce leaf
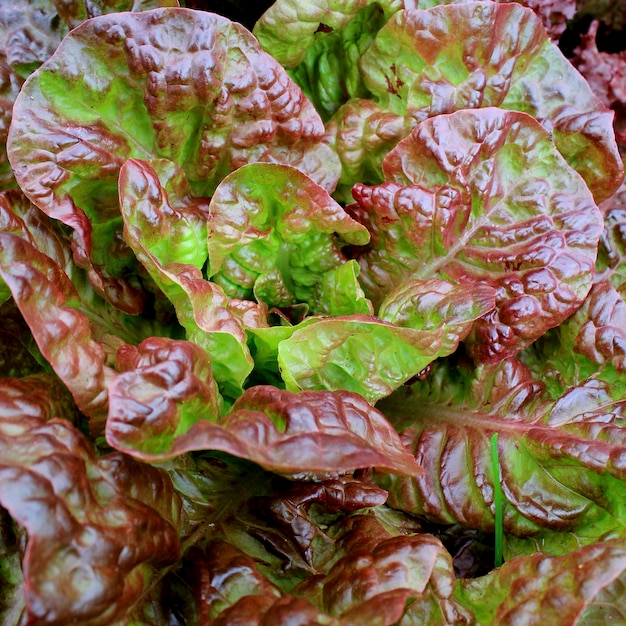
[
  {"x": 288, "y": 29},
  {"x": 372, "y": 356},
  {"x": 276, "y": 236},
  {"x": 585, "y": 586},
  {"x": 167, "y": 231}
]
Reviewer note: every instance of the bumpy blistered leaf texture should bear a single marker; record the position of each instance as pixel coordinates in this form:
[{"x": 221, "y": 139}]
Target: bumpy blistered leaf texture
[
  {"x": 75, "y": 330},
  {"x": 189, "y": 86},
  {"x": 29, "y": 34},
  {"x": 485, "y": 54},
  {"x": 276, "y": 236},
  {"x": 372, "y": 357},
  {"x": 585, "y": 586},
  {"x": 51, "y": 307},
  {"x": 96, "y": 527},
  {"x": 167, "y": 230},
  {"x": 561, "y": 463},
  {"x": 483, "y": 196},
  {"x": 289, "y": 28},
  {"x": 162, "y": 408}
]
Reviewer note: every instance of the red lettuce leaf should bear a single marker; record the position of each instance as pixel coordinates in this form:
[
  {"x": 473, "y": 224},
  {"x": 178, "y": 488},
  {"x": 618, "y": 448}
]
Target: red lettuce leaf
[
  {"x": 594, "y": 337},
  {"x": 425, "y": 63},
  {"x": 483, "y": 196},
  {"x": 76, "y": 331},
  {"x": 163, "y": 408},
  {"x": 210, "y": 107},
  {"x": 50, "y": 305},
  {"x": 561, "y": 464},
  {"x": 96, "y": 527},
  {"x": 585, "y": 586},
  {"x": 167, "y": 231}
]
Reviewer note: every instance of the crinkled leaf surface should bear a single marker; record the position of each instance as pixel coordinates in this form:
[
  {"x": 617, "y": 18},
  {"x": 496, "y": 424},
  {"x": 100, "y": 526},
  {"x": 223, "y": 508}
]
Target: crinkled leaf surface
[
  {"x": 185, "y": 85},
  {"x": 76, "y": 331},
  {"x": 355, "y": 567},
  {"x": 425, "y": 63},
  {"x": 276, "y": 235},
  {"x": 561, "y": 463},
  {"x": 483, "y": 196},
  {"x": 289, "y": 28},
  {"x": 594, "y": 337},
  {"x": 162, "y": 408},
  {"x": 29, "y": 34},
  {"x": 96, "y": 527},
  {"x": 585, "y": 586},
  {"x": 372, "y": 356},
  {"x": 51, "y": 307},
  {"x": 167, "y": 231}
]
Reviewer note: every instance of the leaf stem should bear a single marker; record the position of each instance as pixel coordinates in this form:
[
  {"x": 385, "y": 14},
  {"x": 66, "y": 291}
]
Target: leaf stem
[{"x": 497, "y": 496}]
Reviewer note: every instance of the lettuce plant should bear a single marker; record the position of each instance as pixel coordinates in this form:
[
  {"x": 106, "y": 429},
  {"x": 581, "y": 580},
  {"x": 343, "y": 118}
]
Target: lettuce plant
[{"x": 312, "y": 324}]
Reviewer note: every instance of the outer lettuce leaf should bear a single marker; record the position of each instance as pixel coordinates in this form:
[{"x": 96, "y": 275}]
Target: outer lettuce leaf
[
  {"x": 373, "y": 357},
  {"x": 167, "y": 232},
  {"x": 96, "y": 527},
  {"x": 561, "y": 463},
  {"x": 29, "y": 34},
  {"x": 604, "y": 71},
  {"x": 199, "y": 92},
  {"x": 230, "y": 590},
  {"x": 592, "y": 342},
  {"x": 585, "y": 586},
  {"x": 76, "y": 331},
  {"x": 164, "y": 407},
  {"x": 594, "y": 338},
  {"x": 51, "y": 307},
  {"x": 355, "y": 566},
  {"x": 483, "y": 196},
  {"x": 274, "y": 235},
  {"x": 470, "y": 55}
]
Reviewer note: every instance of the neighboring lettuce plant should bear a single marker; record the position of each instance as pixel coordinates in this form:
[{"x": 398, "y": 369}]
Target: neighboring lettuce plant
[{"x": 287, "y": 320}]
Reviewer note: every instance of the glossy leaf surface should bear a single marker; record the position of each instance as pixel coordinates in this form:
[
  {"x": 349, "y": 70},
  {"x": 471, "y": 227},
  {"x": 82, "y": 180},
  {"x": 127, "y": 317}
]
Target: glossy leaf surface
[
  {"x": 201, "y": 93},
  {"x": 572, "y": 449},
  {"x": 96, "y": 527},
  {"x": 160, "y": 409},
  {"x": 173, "y": 256},
  {"x": 425, "y": 63},
  {"x": 276, "y": 236},
  {"x": 483, "y": 196}
]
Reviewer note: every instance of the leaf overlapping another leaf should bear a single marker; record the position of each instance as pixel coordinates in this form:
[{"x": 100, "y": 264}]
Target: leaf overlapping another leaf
[
  {"x": 425, "y": 63},
  {"x": 167, "y": 230},
  {"x": 561, "y": 463},
  {"x": 96, "y": 527},
  {"x": 483, "y": 196},
  {"x": 163, "y": 407},
  {"x": 201, "y": 93},
  {"x": 275, "y": 236}
]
